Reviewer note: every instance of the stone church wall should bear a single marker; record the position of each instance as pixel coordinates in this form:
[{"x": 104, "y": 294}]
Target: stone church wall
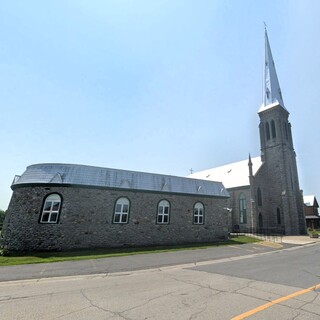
[
  {"x": 270, "y": 188},
  {"x": 87, "y": 213},
  {"x": 234, "y": 203},
  {"x": 277, "y": 192}
]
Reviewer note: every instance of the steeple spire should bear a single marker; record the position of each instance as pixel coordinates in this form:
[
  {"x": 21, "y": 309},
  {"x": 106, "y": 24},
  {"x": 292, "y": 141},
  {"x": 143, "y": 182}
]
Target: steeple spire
[
  {"x": 271, "y": 88},
  {"x": 250, "y": 166}
]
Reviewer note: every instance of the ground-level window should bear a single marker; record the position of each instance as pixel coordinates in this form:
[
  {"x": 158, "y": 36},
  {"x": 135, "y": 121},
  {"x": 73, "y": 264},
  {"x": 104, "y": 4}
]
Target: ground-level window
[
  {"x": 51, "y": 209},
  {"x": 198, "y": 213},
  {"x": 260, "y": 221},
  {"x": 121, "y": 211},
  {"x": 163, "y": 214},
  {"x": 259, "y": 195},
  {"x": 278, "y": 216},
  {"x": 243, "y": 208}
]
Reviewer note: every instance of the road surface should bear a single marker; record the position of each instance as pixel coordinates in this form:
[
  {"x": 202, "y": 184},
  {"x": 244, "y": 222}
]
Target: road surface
[{"x": 241, "y": 282}]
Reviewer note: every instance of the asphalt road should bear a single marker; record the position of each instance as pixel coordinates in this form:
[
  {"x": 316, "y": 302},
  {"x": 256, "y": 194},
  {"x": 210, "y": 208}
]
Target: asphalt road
[
  {"x": 286, "y": 267},
  {"x": 240, "y": 282},
  {"x": 130, "y": 263}
]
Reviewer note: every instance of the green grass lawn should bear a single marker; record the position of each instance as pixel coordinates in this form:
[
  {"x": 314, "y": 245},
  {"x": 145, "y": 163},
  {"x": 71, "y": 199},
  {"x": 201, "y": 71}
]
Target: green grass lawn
[{"x": 46, "y": 257}]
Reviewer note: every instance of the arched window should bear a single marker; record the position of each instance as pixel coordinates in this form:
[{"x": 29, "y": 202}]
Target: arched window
[
  {"x": 121, "y": 211},
  {"x": 268, "y": 131},
  {"x": 243, "y": 208},
  {"x": 273, "y": 129},
  {"x": 163, "y": 214},
  {"x": 198, "y": 213},
  {"x": 259, "y": 195},
  {"x": 291, "y": 177},
  {"x": 260, "y": 221},
  {"x": 286, "y": 130},
  {"x": 51, "y": 209},
  {"x": 278, "y": 216}
]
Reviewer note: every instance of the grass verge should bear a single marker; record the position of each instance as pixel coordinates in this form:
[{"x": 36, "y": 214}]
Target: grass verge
[{"x": 47, "y": 257}]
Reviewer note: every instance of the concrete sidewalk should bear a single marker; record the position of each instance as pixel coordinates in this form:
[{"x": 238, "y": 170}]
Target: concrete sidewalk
[
  {"x": 294, "y": 240},
  {"x": 299, "y": 240}
]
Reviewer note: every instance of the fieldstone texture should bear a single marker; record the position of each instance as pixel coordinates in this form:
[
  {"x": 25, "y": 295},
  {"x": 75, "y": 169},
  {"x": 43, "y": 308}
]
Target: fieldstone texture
[
  {"x": 277, "y": 178},
  {"x": 86, "y": 219}
]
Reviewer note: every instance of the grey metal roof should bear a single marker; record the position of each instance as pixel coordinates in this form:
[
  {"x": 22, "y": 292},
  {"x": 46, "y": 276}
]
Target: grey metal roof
[{"x": 72, "y": 174}]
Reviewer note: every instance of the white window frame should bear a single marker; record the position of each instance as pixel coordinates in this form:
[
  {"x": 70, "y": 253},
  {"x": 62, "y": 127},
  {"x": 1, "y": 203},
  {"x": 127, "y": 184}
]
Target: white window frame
[
  {"x": 198, "y": 213},
  {"x": 163, "y": 214},
  {"x": 51, "y": 209},
  {"x": 121, "y": 211}
]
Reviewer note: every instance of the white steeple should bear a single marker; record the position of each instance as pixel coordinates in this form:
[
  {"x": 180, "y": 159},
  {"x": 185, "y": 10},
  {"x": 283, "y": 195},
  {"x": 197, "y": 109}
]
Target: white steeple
[{"x": 271, "y": 89}]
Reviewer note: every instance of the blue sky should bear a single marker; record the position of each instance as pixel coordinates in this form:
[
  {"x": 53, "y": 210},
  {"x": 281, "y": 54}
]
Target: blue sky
[{"x": 155, "y": 86}]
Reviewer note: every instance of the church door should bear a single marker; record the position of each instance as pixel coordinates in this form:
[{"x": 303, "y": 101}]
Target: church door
[{"x": 260, "y": 221}]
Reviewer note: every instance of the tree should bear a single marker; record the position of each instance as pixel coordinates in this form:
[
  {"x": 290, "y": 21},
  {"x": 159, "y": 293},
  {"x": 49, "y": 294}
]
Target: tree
[{"x": 2, "y": 214}]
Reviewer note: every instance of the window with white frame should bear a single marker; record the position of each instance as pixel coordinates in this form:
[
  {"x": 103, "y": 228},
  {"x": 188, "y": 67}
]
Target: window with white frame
[
  {"x": 51, "y": 209},
  {"x": 163, "y": 212},
  {"x": 121, "y": 211},
  {"x": 198, "y": 213}
]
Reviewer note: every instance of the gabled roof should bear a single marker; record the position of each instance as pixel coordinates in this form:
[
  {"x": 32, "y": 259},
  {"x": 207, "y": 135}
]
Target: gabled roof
[
  {"x": 231, "y": 175},
  {"x": 72, "y": 174},
  {"x": 310, "y": 201}
]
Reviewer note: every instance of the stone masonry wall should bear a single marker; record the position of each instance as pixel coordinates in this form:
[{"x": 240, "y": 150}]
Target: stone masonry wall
[
  {"x": 86, "y": 219},
  {"x": 278, "y": 177},
  {"x": 234, "y": 203}
]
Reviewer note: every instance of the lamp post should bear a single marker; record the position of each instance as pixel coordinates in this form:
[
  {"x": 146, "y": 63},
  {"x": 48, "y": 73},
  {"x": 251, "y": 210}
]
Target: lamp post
[{"x": 229, "y": 211}]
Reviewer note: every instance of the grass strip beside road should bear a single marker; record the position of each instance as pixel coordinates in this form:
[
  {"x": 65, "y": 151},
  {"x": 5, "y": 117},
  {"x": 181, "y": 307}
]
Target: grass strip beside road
[{"x": 15, "y": 258}]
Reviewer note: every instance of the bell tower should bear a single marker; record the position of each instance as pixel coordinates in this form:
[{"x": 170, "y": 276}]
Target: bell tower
[{"x": 282, "y": 208}]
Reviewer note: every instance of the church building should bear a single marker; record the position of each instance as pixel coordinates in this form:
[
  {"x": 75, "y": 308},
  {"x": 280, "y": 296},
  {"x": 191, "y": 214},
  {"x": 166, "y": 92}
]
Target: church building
[
  {"x": 66, "y": 206},
  {"x": 264, "y": 191},
  {"x": 57, "y": 206}
]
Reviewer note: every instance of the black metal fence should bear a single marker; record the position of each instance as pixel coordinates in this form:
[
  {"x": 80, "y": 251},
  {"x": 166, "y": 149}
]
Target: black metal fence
[{"x": 267, "y": 234}]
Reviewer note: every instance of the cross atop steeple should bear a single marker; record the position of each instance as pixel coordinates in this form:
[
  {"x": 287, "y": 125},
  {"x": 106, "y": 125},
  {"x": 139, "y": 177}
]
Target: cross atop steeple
[{"x": 271, "y": 88}]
